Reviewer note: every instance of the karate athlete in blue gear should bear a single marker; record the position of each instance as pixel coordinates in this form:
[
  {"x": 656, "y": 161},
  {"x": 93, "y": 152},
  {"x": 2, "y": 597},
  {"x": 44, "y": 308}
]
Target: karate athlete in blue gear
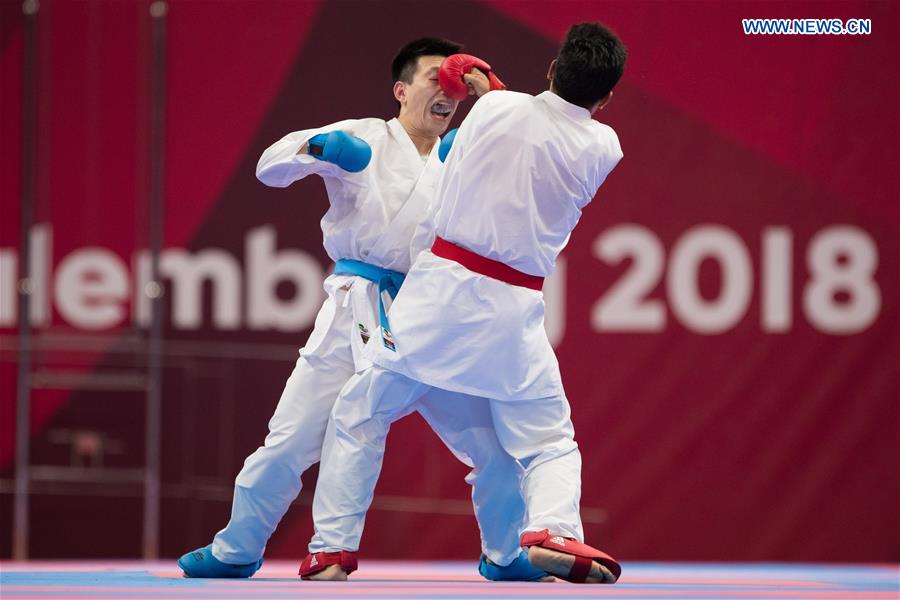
[{"x": 380, "y": 178}]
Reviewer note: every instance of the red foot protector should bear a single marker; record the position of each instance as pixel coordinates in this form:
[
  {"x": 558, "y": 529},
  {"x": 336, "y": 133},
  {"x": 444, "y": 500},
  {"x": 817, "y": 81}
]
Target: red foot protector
[
  {"x": 313, "y": 563},
  {"x": 583, "y": 554}
]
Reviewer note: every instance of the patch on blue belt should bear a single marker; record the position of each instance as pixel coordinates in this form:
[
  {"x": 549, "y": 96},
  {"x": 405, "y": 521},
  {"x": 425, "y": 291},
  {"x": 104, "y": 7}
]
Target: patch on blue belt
[{"x": 388, "y": 340}]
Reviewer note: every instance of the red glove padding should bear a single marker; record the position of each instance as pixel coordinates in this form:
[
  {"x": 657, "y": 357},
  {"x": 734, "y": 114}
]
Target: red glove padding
[{"x": 450, "y": 75}]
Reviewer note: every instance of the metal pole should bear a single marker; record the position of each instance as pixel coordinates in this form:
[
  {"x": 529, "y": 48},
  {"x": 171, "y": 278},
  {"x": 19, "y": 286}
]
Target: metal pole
[
  {"x": 158, "y": 10},
  {"x": 26, "y": 285}
]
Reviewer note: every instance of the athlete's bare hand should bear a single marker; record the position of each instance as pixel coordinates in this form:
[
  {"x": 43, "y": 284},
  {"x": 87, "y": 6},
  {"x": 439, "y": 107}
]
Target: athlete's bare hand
[{"x": 478, "y": 82}]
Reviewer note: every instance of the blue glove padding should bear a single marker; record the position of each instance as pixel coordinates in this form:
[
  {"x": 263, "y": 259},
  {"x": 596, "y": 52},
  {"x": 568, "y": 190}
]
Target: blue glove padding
[
  {"x": 346, "y": 151},
  {"x": 446, "y": 144}
]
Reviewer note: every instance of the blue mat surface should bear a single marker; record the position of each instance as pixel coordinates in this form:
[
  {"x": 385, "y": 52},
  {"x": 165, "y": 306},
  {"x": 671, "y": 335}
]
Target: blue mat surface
[{"x": 447, "y": 580}]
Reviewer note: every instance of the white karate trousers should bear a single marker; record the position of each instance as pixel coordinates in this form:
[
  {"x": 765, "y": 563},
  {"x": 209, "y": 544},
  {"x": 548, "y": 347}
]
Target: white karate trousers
[
  {"x": 270, "y": 479},
  {"x": 538, "y": 433}
]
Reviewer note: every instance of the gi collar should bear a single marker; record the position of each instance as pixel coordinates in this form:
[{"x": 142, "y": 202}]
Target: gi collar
[{"x": 564, "y": 106}]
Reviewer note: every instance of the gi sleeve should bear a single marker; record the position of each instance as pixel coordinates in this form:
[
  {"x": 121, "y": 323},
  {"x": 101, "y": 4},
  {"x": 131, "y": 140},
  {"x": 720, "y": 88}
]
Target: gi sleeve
[
  {"x": 610, "y": 153},
  {"x": 280, "y": 165}
]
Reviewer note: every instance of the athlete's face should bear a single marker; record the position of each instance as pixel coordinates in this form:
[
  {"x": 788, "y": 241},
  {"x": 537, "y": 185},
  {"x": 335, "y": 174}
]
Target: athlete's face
[{"x": 423, "y": 105}]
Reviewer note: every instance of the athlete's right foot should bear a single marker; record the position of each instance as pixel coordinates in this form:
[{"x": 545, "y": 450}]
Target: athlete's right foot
[
  {"x": 328, "y": 566},
  {"x": 560, "y": 564},
  {"x": 329, "y": 573},
  {"x": 202, "y": 564}
]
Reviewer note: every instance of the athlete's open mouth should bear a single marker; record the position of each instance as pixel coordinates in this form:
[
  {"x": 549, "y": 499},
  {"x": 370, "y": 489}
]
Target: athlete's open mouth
[{"x": 441, "y": 109}]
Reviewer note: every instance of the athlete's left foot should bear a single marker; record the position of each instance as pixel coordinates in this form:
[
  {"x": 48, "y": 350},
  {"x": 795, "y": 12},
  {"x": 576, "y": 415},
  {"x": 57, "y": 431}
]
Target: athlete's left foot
[{"x": 518, "y": 570}]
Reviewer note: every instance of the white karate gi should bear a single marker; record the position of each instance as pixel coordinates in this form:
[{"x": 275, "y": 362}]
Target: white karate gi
[
  {"x": 521, "y": 170},
  {"x": 381, "y": 216}
]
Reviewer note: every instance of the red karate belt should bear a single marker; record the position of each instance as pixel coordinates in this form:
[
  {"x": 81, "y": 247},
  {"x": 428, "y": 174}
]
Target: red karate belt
[{"x": 485, "y": 266}]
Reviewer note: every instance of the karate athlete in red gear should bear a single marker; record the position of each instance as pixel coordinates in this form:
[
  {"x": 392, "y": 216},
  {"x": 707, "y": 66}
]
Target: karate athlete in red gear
[
  {"x": 380, "y": 177},
  {"x": 470, "y": 316}
]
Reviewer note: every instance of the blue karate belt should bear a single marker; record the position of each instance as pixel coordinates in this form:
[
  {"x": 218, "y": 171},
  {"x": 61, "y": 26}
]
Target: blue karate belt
[{"x": 387, "y": 280}]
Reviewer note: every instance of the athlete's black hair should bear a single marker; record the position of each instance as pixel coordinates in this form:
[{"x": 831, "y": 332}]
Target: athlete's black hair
[
  {"x": 403, "y": 67},
  {"x": 589, "y": 64}
]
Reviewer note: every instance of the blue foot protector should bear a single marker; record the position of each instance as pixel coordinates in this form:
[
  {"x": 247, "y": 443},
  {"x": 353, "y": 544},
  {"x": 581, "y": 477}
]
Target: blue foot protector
[
  {"x": 518, "y": 570},
  {"x": 202, "y": 563}
]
